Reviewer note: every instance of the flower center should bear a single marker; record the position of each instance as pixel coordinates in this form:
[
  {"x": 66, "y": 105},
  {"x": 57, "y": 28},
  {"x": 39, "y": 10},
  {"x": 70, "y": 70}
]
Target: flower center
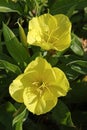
[{"x": 40, "y": 87}]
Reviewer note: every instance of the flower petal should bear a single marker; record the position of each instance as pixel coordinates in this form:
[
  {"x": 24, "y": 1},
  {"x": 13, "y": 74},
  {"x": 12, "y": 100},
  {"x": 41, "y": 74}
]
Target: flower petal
[
  {"x": 56, "y": 81},
  {"x": 49, "y": 76},
  {"x": 62, "y": 32},
  {"x": 61, "y": 86},
  {"x": 38, "y": 104},
  {"x": 39, "y": 86},
  {"x": 32, "y": 101},
  {"x": 30, "y": 77},
  {"x": 16, "y": 89},
  {"x": 50, "y": 100},
  {"x": 39, "y": 64},
  {"x": 39, "y": 29},
  {"x": 50, "y": 32}
]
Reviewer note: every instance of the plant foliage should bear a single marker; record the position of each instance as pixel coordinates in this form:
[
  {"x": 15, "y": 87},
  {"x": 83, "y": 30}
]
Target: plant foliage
[{"x": 70, "y": 113}]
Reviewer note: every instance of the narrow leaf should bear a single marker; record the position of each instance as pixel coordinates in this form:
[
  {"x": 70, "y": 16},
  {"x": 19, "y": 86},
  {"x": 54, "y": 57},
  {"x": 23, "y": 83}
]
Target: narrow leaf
[
  {"x": 62, "y": 115},
  {"x": 9, "y": 6},
  {"x": 6, "y": 9},
  {"x": 63, "y": 6},
  {"x": 10, "y": 67},
  {"x": 76, "y": 45},
  {"x": 20, "y": 117},
  {"x": 15, "y": 48},
  {"x": 6, "y": 115}
]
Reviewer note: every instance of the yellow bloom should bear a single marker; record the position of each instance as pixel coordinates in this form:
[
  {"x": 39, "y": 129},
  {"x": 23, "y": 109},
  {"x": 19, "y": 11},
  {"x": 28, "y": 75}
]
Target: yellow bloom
[
  {"x": 50, "y": 32},
  {"x": 39, "y": 86}
]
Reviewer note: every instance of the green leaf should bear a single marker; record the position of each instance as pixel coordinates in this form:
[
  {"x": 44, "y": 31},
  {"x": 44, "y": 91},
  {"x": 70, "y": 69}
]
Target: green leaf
[
  {"x": 63, "y": 127},
  {"x": 2, "y": 127},
  {"x": 63, "y": 6},
  {"x": 29, "y": 124},
  {"x": 76, "y": 45},
  {"x": 79, "y": 66},
  {"x": 80, "y": 119},
  {"x": 71, "y": 11},
  {"x": 78, "y": 62},
  {"x": 62, "y": 115},
  {"x": 0, "y": 42},
  {"x": 15, "y": 48},
  {"x": 6, "y": 9},
  {"x": 52, "y": 60},
  {"x": 78, "y": 93},
  {"x": 9, "y": 67},
  {"x": 19, "y": 125},
  {"x": 20, "y": 117},
  {"x": 79, "y": 69},
  {"x": 65, "y": 63},
  {"x": 4, "y": 56},
  {"x": 0, "y": 47},
  {"x": 6, "y": 115},
  {"x": 70, "y": 73},
  {"x": 9, "y": 6},
  {"x": 5, "y": 80}
]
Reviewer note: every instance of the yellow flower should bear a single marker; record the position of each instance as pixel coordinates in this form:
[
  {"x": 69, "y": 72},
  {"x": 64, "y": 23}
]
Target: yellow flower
[
  {"x": 50, "y": 32},
  {"x": 39, "y": 86}
]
